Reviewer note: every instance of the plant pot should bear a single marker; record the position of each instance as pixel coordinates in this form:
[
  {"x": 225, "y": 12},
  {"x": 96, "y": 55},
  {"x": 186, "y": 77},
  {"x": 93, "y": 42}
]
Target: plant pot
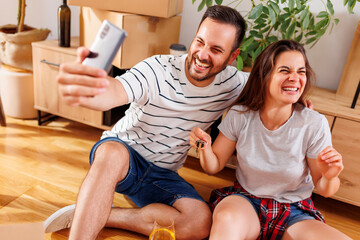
[
  {"x": 17, "y": 94},
  {"x": 15, "y": 48}
]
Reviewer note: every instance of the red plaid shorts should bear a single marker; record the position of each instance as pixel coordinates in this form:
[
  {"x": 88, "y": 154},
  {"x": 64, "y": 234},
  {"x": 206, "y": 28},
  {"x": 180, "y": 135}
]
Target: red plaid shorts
[{"x": 273, "y": 215}]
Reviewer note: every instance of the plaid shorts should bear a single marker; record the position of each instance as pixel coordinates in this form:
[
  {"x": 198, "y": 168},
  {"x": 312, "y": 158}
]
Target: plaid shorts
[{"x": 274, "y": 216}]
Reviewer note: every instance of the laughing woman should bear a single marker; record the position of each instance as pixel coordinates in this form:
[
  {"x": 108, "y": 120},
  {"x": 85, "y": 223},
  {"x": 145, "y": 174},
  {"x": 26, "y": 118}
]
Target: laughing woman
[{"x": 283, "y": 151}]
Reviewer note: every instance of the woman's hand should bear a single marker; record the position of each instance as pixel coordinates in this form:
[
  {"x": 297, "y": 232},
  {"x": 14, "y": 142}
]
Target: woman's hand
[
  {"x": 199, "y": 134},
  {"x": 330, "y": 163}
]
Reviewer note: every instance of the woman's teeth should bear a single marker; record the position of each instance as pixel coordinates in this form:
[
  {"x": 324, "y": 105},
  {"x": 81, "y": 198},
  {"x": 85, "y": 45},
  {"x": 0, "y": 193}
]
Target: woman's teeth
[{"x": 290, "y": 89}]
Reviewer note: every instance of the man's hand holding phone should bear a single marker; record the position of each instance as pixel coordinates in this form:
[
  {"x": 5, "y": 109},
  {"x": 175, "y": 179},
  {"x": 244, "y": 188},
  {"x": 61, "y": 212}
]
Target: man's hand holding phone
[{"x": 85, "y": 81}]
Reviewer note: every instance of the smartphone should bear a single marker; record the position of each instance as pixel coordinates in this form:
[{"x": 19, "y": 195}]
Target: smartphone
[{"x": 105, "y": 46}]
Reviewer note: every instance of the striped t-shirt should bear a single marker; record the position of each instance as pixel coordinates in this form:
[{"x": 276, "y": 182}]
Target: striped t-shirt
[{"x": 165, "y": 107}]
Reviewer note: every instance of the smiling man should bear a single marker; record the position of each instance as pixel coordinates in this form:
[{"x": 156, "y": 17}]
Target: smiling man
[{"x": 140, "y": 156}]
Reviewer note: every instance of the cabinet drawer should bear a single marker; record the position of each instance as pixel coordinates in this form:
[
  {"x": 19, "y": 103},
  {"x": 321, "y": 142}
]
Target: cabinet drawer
[
  {"x": 346, "y": 139},
  {"x": 46, "y": 56},
  {"x": 45, "y": 72}
]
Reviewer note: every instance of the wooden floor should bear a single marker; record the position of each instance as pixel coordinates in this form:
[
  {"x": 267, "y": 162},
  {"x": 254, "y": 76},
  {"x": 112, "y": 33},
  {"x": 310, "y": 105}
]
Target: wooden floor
[{"x": 42, "y": 168}]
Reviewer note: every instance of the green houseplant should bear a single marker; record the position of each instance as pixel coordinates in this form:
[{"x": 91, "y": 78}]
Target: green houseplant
[
  {"x": 271, "y": 20},
  {"x": 15, "y": 41}
]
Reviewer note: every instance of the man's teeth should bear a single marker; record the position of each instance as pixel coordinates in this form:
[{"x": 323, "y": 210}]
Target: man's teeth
[
  {"x": 204, "y": 65},
  {"x": 290, "y": 89}
]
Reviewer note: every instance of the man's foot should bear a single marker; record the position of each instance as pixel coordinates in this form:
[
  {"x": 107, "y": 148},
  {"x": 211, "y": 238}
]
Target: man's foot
[{"x": 61, "y": 219}]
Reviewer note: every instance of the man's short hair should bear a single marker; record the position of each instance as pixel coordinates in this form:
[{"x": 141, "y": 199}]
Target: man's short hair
[{"x": 228, "y": 15}]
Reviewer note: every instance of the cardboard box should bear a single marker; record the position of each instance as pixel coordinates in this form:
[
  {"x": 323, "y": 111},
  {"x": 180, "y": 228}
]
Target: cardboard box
[
  {"x": 147, "y": 36},
  {"x": 157, "y": 8}
]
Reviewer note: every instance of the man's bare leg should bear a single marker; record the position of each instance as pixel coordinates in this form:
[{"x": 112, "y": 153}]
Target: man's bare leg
[
  {"x": 93, "y": 205},
  {"x": 192, "y": 217}
]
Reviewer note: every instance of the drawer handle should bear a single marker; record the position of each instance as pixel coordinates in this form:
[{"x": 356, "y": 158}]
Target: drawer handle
[{"x": 50, "y": 63}]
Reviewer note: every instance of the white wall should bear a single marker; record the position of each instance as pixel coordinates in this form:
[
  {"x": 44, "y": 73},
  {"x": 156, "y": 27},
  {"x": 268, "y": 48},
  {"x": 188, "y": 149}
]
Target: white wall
[
  {"x": 327, "y": 58},
  {"x": 39, "y": 14}
]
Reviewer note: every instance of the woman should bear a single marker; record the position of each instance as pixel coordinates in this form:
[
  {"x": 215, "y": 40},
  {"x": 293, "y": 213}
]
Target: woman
[{"x": 283, "y": 151}]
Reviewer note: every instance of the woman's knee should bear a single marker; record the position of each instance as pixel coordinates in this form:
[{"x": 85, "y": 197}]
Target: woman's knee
[{"x": 237, "y": 216}]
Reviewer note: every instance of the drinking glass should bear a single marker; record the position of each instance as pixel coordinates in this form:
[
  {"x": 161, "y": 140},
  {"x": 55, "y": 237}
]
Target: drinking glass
[{"x": 163, "y": 232}]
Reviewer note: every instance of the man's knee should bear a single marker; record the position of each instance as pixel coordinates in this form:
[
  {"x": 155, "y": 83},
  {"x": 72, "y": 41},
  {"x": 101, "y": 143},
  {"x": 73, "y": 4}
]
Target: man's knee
[
  {"x": 112, "y": 157},
  {"x": 196, "y": 225}
]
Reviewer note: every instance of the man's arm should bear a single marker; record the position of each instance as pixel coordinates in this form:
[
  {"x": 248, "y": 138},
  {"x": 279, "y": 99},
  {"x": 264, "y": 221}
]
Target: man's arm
[{"x": 90, "y": 87}]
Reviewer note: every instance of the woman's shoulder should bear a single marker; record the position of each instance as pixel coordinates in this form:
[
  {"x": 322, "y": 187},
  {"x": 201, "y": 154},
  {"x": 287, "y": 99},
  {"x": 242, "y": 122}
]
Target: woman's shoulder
[
  {"x": 241, "y": 111},
  {"x": 239, "y": 108},
  {"x": 309, "y": 115}
]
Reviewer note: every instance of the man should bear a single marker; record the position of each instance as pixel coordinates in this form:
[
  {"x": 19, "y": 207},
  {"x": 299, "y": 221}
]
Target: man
[{"x": 140, "y": 156}]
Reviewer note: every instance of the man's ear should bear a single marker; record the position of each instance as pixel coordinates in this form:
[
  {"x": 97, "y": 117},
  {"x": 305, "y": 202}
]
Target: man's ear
[{"x": 233, "y": 56}]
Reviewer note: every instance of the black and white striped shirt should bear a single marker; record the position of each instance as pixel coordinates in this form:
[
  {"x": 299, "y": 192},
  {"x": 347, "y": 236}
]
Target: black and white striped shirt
[{"x": 165, "y": 107}]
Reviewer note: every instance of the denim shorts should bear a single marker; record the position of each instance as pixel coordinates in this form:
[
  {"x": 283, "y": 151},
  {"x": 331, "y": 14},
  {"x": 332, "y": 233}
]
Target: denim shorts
[
  {"x": 296, "y": 215},
  {"x": 146, "y": 183}
]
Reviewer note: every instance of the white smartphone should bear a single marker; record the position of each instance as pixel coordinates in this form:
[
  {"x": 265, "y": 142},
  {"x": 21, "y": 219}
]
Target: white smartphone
[{"x": 105, "y": 46}]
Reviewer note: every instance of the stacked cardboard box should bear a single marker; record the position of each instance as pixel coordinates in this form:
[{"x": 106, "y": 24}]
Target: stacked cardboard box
[
  {"x": 152, "y": 26},
  {"x": 156, "y": 8}
]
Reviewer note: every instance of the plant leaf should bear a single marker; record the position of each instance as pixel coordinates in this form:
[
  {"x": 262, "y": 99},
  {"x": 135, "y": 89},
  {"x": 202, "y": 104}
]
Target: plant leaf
[
  {"x": 276, "y": 25},
  {"x": 291, "y": 5},
  {"x": 299, "y": 38},
  {"x": 330, "y": 7},
  {"x": 272, "y": 39},
  {"x": 310, "y": 40},
  {"x": 290, "y": 31},
  {"x": 256, "y": 11},
  {"x": 246, "y": 43},
  {"x": 275, "y": 7},
  {"x": 303, "y": 15},
  {"x": 310, "y": 33},
  {"x": 265, "y": 29},
  {"x": 257, "y": 52},
  {"x": 351, "y": 5},
  {"x": 254, "y": 44},
  {"x": 305, "y": 23},
  {"x": 285, "y": 25},
  {"x": 239, "y": 63},
  {"x": 284, "y": 16},
  {"x": 202, "y": 5},
  {"x": 321, "y": 24},
  {"x": 255, "y": 34},
  {"x": 259, "y": 26},
  {"x": 209, "y": 3},
  {"x": 272, "y": 15},
  {"x": 218, "y": 2},
  {"x": 323, "y": 14}
]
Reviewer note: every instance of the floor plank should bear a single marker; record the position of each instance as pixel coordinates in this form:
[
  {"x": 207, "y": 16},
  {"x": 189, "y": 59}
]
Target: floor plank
[{"x": 43, "y": 167}]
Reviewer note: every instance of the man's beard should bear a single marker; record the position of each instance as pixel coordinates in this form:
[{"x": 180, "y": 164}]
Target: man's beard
[{"x": 210, "y": 74}]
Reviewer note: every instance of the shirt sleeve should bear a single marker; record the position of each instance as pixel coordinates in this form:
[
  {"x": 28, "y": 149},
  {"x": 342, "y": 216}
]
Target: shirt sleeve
[
  {"x": 321, "y": 140},
  {"x": 136, "y": 81},
  {"x": 230, "y": 125}
]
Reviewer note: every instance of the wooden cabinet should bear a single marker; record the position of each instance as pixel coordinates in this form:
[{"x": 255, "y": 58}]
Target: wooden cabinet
[
  {"x": 346, "y": 140},
  {"x": 345, "y": 130},
  {"x": 47, "y": 56}
]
